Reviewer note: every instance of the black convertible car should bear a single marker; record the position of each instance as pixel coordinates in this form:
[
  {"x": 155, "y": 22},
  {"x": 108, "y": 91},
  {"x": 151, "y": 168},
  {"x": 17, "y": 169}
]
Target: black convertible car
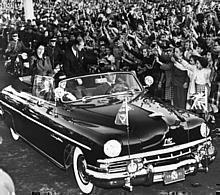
[{"x": 108, "y": 129}]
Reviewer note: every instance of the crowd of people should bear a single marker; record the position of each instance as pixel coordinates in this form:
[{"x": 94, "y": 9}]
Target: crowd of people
[{"x": 175, "y": 42}]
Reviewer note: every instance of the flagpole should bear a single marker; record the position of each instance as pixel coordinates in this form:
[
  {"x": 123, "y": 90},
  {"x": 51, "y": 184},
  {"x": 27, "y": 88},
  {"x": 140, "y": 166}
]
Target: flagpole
[
  {"x": 122, "y": 119},
  {"x": 128, "y": 134},
  {"x": 127, "y": 127}
]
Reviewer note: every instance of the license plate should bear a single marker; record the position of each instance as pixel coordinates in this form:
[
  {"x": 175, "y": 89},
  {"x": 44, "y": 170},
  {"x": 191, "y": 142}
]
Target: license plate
[{"x": 174, "y": 176}]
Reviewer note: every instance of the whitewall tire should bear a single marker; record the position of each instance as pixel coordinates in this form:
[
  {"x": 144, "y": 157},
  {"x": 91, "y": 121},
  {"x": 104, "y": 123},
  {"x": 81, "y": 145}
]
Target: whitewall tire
[
  {"x": 79, "y": 166},
  {"x": 15, "y": 136}
]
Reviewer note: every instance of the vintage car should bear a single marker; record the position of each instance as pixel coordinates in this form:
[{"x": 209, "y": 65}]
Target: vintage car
[{"x": 108, "y": 129}]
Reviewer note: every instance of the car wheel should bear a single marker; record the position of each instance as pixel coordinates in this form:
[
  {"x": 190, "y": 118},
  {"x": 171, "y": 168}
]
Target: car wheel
[
  {"x": 79, "y": 166},
  {"x": 14, "y": 134}
]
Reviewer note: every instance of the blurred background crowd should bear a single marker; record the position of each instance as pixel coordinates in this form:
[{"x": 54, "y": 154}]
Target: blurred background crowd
[{"x": 176, "y": 42}]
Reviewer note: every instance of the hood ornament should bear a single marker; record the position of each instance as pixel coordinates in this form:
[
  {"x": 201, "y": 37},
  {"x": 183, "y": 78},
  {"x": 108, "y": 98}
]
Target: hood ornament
[{"x": 168, "y": 142}]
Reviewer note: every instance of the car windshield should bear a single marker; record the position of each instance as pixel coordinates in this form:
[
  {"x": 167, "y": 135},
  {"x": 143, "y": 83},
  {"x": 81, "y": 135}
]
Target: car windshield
[{"x": 103, "y": 84}]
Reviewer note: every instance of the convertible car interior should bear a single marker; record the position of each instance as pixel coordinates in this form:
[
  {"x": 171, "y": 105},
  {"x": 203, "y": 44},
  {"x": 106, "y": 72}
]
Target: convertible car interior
[{"x": 43, "y": 88}]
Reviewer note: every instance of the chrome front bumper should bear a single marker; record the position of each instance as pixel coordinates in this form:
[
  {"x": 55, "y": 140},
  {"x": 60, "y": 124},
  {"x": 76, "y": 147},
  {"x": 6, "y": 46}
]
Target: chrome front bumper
[{"x": 117, "y": 172}]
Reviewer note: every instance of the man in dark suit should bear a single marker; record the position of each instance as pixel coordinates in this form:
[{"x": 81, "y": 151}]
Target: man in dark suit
[
  {"x": 55, "y": 53},
  {"x": 180, "y": 79},
  {"x": 73, "y": 59}
]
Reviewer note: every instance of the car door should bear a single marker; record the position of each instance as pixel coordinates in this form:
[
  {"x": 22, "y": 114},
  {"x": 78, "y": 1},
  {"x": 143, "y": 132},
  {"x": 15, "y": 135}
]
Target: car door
[
  {"x": 46, "y": 134},
  {"x": 35, "y": 123}
]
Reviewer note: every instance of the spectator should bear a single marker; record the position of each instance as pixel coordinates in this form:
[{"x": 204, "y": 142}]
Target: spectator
[
  {"x": 202, "y": 75},
  {"x": 55, "y": 53},
  {"x": 15, "y": 47},
  {"x": 45, "y": 38},
  {"x": 214, "y": 98},
  {"x": 180, "y": 79},
  {"x": 210, "y": 59},
  {"x": 166, "y": 65},
  {"x": 110, "y": 59}
]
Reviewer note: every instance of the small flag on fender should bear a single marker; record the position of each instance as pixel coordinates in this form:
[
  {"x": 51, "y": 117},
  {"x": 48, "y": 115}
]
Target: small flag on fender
[{"x": 122, "y": 115}]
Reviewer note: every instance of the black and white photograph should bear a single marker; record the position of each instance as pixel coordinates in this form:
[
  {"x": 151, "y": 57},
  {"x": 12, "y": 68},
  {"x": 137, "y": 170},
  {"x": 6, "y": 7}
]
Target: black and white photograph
[{"x": 109, "y": 97}]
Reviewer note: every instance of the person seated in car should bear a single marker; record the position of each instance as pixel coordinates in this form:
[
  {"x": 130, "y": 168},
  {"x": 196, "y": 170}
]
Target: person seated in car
[
  {"x": 112, "y": 85},
  {"x": 73, "y": 89}
]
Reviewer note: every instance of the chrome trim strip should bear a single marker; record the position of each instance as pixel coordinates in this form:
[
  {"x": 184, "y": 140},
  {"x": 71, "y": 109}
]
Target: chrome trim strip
[
  {"x": 156, "y": 170},
  {"x": 56, "y": 138},
  {"x": 19, "y": 96},
  {"x": 167, "y": 158},
  {"x": 44, "y": 126},
  {"x": 155, "y": 152}
]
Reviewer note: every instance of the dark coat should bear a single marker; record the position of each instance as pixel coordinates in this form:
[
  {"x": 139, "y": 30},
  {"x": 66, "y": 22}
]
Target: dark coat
[
  {"x": 55, "y": 54},
  {"x": 41, "y": 66},
  {"x": 73, "y": 65},
  {"x": 179, "y": 77},
  {"x": 15, "y": 48}
]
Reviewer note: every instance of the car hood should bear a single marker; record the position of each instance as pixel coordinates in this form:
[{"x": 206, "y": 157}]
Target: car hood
[
  {"x": 100, "y": 125},
  {"x": 149, "y": 121},
  {"x": 173, "y": 116}
]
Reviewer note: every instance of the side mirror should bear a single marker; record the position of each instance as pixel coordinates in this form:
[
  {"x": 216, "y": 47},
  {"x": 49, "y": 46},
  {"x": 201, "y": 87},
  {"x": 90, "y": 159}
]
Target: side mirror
[{"x": 148, "y": 81}]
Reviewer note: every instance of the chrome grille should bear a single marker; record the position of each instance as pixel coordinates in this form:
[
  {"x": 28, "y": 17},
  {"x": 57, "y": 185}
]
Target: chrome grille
[
  {"x": 118, "y": 167},
  {"x": 167, "y": 156},
  {"x": 121, "y": 166}
]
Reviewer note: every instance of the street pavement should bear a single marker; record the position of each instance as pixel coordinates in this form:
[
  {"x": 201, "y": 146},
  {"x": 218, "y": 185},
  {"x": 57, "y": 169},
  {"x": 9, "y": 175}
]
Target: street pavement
[{"x": 34, "y": 174}]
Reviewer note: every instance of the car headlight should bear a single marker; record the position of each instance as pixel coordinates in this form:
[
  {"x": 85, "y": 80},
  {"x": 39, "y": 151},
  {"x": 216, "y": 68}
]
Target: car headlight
[
  {"x": 112, "y": 148},
  {"x": 204, "y": 130}
]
